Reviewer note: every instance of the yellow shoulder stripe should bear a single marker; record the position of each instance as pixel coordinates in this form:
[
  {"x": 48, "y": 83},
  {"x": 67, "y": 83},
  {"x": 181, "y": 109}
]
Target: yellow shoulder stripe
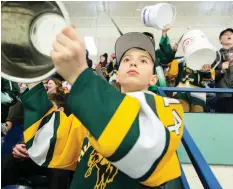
[
  {"x": 118, "y": 126},
  {"x": 30, "y": 132}
]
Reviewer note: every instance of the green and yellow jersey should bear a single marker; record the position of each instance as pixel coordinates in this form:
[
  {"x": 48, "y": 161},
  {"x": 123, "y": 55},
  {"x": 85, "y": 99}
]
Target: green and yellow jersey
[
  {"x": 111, "y": 140},
  {"x": 187, "y": 77},
  {"x": 180, "y": 75},
  {"x": 165, "y": 53}
]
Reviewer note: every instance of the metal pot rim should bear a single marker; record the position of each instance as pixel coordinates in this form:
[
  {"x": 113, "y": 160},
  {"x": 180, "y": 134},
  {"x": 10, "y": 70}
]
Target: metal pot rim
[{"x": 51, "y": 72}]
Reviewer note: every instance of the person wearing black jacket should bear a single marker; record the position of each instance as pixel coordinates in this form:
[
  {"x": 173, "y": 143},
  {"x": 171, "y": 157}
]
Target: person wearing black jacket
[
  {"x": 89, "y": 61},
  {"x": 224, "y": 71},
  {"x": 9, "y": 94},
  {"x": 112, "y": 67}
]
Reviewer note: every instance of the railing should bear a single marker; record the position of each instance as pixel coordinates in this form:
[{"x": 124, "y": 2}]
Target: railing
[
  {"x": 206, "y": 176},
  {"x": 200, "y": 90}
]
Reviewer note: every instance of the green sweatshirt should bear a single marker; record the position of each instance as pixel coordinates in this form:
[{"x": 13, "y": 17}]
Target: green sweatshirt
[{"x": 165, "y": 53}]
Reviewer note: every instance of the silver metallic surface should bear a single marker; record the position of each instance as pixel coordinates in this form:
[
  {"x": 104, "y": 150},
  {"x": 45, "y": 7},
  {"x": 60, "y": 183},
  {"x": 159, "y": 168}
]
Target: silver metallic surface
[{"x": 28, "y": 30}]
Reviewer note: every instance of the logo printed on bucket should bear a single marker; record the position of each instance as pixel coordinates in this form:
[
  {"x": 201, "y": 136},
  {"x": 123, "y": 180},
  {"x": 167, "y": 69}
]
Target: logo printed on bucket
[
  {"x": 188, "y": 42},
  {"x": 198, "y": 51}
]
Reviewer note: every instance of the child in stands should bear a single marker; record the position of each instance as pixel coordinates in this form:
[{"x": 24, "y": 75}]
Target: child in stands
[
  {"x": 179, "y": 75},
  {"x": 124, "y": 139},
  {"x": 224, "y": 71}
]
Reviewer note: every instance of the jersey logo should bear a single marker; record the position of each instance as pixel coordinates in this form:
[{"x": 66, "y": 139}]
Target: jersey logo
[
  {"x": 105, "y": 171},
  {"x": 168, "y": 101},
  {"x": 177, "y": 119},
  {"x": 178, "y": 122},
  {"x": 83, "y": 151}
]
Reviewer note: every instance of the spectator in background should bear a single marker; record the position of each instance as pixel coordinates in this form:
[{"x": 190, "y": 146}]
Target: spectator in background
[
  {"x": 103, "y": 60},
  {"x": 59, "y": 81},
  {"x": 9, "y": 93},
  {"x": 165, "y": 53},
  {"x": 224, "y": 71},
  {"x": 20, "y": 165},
  {"x": 89, "y": 61},
  {"x": 15, "y": 115},
  {"x": 66, "y": 86},
  {"x": 112, "y": 65},
  {"x": 112, "y": 68},
  {"x": 55, "y": 86},
  {"x": 101, "y": 68},
  {"x": 179, "y": 75}
]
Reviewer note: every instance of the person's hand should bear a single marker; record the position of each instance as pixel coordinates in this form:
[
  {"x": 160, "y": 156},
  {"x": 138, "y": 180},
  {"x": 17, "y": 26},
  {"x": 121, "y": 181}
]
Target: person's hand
[
  {"x": 69, "y": 54},
  {"x": 9, "y": 125},
  {"x": 51, "y": 91},
  {"x": 206, "y": 67},
  {"x": 98, "y": 68},
  {"x": 20, "y": 151},
  {"x": 225, "y": 65},
  {"x": 166, "y": 28},
  {"x": 175, "y": 47},
  {"x": 231, "y": 58}
]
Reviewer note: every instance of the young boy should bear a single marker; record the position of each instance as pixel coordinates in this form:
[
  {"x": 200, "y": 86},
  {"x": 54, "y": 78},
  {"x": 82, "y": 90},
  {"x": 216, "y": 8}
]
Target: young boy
[
  {"x": 224, "y": 71},
  {"x": 124, "y": 139}
]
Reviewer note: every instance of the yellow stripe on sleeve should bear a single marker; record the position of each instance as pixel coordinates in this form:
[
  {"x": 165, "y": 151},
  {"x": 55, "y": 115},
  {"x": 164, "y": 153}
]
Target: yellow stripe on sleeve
[
  {"x": 69, "y": 140},
  {"x": 118, "y": 126},
  {"x": 30, "y": 132},
  {"x": 162, "y": 172}
]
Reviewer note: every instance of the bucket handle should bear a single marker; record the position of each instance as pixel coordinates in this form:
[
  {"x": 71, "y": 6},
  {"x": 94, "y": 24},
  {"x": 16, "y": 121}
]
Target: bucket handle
[
  {"x": 174, "y": 9},
  {"x": 218, "y": 61}
]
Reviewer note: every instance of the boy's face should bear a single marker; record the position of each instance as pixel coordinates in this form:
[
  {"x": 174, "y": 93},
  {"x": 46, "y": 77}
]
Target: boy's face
[
  {"x": 136, "y": 71},
  {"x": 227, "y": 38}
]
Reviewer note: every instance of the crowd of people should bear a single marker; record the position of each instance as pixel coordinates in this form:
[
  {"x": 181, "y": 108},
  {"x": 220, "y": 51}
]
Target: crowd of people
[
  {"x": 178, "y": 74},
  {"x": 18, "y": 164}
]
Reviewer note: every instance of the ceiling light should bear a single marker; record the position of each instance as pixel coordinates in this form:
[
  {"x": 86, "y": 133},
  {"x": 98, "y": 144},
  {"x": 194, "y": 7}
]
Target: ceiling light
[{"x": 90, "y": 45}]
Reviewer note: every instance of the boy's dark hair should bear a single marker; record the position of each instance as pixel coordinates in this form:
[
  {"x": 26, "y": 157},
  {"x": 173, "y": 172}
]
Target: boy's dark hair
[
  {"x": 222, "y": 33},
  {"x": 58, "y": 99}
]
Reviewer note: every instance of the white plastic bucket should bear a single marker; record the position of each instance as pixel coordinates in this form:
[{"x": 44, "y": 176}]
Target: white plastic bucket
[
  {"x": 197, "y": 49},
  {"x": 159, "y": 15}
]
